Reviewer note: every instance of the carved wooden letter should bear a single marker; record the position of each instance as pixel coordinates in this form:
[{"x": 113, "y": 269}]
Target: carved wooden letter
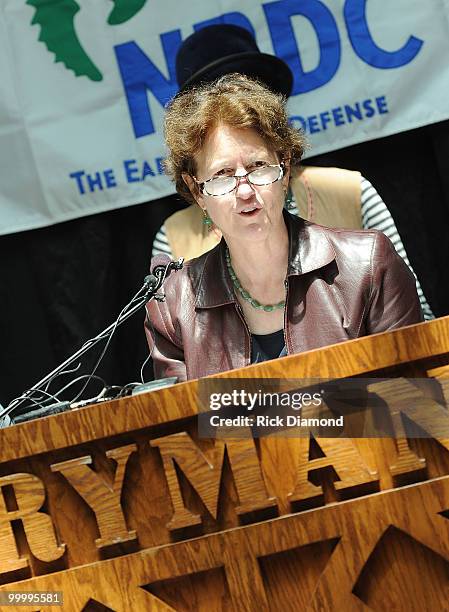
[
  {"x": 342, "y": 455},
  {"x": 30, "y": 495},
  {"x": 407, "y": 461},
  {"x": 205, "y": 475},
  {"x": 102, "y": 497},
  {"x": 402, "y": 396}
]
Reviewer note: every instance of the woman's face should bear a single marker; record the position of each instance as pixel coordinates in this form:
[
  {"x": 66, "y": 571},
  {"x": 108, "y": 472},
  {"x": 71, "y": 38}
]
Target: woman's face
[{"x": 248, "y": 212}]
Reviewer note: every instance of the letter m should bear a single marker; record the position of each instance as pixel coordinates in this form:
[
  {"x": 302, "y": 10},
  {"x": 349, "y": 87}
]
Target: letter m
[
  {"x": 204, "y": 474},
  {"x": 140, "y": 75}
]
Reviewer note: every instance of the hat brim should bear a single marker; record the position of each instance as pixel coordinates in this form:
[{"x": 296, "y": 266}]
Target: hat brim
[{"x": 269, "y": 69}]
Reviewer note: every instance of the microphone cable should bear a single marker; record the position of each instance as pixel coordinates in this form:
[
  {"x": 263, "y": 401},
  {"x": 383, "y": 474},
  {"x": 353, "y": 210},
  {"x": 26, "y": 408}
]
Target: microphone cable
[
  {"x": 148, "y": 292},
  {"x": 111, "y": 333}
]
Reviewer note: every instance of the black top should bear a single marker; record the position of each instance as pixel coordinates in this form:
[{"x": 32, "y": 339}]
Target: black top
[{"x": 267, "y": 346}]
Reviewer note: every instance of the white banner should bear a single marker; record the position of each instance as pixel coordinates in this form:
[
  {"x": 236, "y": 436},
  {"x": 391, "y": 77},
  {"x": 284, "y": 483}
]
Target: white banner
[{"x": 84, "y": 83}]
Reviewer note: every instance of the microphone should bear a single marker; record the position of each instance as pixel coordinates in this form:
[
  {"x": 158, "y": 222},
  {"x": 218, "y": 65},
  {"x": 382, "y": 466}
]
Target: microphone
[
  {"x": 162, "y": 267},
  {"x": 162, "y": 264},
  {"x": 150, "y": 282}
]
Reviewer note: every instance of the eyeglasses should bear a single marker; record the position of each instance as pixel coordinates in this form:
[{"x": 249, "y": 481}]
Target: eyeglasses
[{"x": 221, "y": 185}]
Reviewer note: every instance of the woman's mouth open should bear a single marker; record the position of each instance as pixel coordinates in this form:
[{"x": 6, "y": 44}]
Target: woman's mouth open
[{"x": 250, "y": 211}]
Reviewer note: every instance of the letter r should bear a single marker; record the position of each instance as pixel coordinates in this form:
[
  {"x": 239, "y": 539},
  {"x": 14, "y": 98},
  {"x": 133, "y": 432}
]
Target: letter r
[{"x": 29, "y": 492}]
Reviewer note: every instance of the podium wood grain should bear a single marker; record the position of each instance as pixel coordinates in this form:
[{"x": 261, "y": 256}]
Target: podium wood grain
[{"x": 122, "y": 506}]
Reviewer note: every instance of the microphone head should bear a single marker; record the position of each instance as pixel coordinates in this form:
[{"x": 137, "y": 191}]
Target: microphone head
[{"x": 150, "y": 281}]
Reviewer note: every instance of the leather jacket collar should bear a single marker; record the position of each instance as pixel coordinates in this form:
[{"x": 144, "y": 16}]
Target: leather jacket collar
[
  {"x": 341, "y": 285},
  {"x": 309, "y": 249}
]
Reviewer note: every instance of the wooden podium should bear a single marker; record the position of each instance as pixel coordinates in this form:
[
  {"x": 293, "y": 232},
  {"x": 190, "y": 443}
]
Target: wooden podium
[{"x": 122, "y": 506}]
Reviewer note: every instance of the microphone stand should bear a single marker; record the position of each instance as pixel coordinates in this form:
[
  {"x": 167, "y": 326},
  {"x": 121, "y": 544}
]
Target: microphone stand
[{"x": 151, "y": 286}]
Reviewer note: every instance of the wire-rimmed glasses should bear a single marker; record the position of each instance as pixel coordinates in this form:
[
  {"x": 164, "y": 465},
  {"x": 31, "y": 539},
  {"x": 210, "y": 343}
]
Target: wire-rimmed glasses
[{"x": 223, "y": 184}]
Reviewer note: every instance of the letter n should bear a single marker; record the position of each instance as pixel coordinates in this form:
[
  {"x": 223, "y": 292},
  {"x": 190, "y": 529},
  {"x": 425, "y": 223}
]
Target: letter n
[{"x": 140, "y": 75}]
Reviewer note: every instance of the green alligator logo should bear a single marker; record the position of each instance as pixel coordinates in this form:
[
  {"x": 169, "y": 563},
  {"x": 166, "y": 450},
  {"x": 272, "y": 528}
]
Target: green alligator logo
[{"x": 56, "y": 19}]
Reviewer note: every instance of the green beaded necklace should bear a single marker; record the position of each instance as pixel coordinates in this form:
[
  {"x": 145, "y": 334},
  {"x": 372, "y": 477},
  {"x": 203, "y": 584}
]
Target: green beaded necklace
[{"x": 246, "y": 295}]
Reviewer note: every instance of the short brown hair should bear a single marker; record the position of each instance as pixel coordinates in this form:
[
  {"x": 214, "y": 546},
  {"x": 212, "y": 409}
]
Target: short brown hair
[{"x": 233, "y": 100}]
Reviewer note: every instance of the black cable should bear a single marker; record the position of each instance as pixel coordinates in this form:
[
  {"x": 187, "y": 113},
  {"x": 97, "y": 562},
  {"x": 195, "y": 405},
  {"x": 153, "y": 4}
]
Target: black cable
[
  {"x": 49, "y": 395},
  {"x": 75, "y": 380},
  {"x": 61, "y": 374},
  {"x": 33, "y": 401},
  {"x": 146, "y": 293},
  {"x": 111, "y": 333}
]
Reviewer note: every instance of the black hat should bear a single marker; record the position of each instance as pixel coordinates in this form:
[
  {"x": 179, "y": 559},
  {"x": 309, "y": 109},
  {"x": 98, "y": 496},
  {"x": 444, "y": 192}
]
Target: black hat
[{"x": 217, "y": 50}]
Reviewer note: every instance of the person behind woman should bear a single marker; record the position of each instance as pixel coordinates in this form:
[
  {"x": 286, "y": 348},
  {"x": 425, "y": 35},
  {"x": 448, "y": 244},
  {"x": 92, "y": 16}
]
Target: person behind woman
[
  {"x": 275, "y": 284},
  {"x": 334, "y": 197}
]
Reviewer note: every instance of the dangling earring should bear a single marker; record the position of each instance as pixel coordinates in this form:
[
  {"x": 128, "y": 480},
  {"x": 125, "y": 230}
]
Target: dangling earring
[
  {"x": 206, "y": 219},
  {"x": 288, "y": 202}
]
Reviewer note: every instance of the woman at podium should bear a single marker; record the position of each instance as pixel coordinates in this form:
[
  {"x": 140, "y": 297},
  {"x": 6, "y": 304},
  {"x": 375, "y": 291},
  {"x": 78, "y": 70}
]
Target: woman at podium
[{"x": 275, "y": 284}]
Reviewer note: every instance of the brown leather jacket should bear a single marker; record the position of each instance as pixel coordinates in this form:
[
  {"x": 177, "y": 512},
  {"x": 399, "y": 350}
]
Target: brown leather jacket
[{"x": 341, "y": 284}]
